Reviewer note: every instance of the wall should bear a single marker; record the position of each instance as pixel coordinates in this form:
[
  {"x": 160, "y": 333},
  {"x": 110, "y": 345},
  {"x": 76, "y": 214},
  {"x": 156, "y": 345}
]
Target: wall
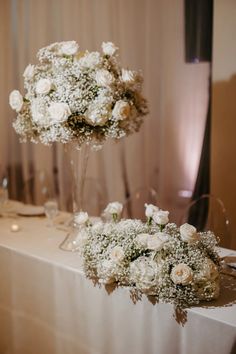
[{"x": 223, "y": 164}]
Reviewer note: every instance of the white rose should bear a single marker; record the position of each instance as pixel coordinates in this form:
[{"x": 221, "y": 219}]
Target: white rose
[
  {"x": 142, "y": 239},
  {"x": 188, "y": 233},
  {"x": 160, "y": 217},
  {"x": 16, "y": 100},
  {"x": 121, "y": 110},
  {"x": 104, "y": 78},
  {"x": 98, "y": 115},
  {"x": 181, "y": 274},
  {"x": 43, "y": 86},
  {"x": 98, "y": 226},
  {"x": 81, "y": 218},
  {"x": 154, "y": 243},
  {"x": 90, "y": 60},
  {"x": 109, "y": 48},
  {"x": 39, "y": 112},
  {"x": 209, "y": 271},
  {"x": 150, "y": 209},
  {"x": 59, "y": 112},
  {"x": 163, "y": 236},
  {"x": 68, "y": 48},
  {"x": 132, "y": 79},
  {"x": 29, "y": 72},
  {"x": 114, "y": 208},
  {"x": 117, "y": 254},
  {"x": 128, "y": 76},
  {"x": 145, "y": 274}
]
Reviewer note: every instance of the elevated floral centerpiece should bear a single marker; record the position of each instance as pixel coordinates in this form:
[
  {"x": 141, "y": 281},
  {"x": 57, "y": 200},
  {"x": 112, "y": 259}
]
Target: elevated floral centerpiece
[
  {"x": 78, "y": 96},
  {"x": 81, "y": 99},
  {"x": 176, "y": 265}
]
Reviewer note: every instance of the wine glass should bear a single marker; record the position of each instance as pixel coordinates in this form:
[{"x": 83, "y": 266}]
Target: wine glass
[
  {"x": 51, "y": 210},
  {"x": 3, "y": 192}
]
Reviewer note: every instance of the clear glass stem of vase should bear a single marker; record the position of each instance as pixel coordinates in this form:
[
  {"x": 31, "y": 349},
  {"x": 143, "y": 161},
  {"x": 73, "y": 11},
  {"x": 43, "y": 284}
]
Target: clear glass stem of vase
[{"x": 78, "y": 163}]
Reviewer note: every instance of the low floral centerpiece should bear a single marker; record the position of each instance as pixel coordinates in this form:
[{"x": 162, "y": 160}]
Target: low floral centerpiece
[
  {"x": 78, "y": 96},
  {"x": 174, "y": 264}
]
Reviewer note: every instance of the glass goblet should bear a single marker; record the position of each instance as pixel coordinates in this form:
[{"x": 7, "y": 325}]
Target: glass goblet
[{"x": 51, "y": 211}]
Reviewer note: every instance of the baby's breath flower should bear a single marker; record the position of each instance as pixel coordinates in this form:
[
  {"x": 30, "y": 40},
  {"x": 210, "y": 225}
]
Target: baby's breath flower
[
  {"x": 162, "y": 264},
  {"x": 77, "y": 96}
]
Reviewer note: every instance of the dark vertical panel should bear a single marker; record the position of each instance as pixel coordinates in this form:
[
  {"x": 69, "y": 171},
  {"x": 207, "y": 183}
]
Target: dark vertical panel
[
  {"x": 198, "y": 48},
  {"x": 198, "y": 30}
]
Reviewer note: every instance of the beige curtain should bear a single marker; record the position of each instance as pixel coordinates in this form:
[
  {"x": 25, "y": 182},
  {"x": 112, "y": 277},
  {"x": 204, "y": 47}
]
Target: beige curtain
[{"x": 150, "y": 35}]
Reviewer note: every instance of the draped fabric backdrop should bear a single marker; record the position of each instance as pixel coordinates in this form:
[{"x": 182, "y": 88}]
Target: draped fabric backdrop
[{"x": 150, "y": 34}]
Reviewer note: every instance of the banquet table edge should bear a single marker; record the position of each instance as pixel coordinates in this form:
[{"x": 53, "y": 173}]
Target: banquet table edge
[{"x": 43, "y": 245}]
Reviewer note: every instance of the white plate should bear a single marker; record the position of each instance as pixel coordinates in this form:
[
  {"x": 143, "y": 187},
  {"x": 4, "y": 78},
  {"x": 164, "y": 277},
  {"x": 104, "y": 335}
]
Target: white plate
[{"x": 30, "y": 210}]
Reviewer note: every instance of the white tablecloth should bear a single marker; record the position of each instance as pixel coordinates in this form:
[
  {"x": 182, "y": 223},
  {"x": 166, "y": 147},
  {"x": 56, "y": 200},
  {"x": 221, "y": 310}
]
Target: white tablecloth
[{"x": 47, "y": 306}]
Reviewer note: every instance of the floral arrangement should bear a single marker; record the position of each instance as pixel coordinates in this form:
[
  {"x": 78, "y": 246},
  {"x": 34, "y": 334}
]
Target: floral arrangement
[
  {"x": 174, "y": 264},
  {"x": 78, "y": 96}
]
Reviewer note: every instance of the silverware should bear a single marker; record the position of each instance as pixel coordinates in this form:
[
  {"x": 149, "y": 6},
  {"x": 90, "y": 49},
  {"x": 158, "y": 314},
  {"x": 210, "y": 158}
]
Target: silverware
[{"x": 62, "y": 228}]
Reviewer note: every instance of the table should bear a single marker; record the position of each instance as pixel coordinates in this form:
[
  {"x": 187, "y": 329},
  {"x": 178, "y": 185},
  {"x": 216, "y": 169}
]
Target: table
[{"x": 47, "y": 306}]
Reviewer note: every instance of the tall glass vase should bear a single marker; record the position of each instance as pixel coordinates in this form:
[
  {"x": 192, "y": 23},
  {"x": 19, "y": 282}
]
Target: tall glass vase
[{"x": 78, "y": 161}]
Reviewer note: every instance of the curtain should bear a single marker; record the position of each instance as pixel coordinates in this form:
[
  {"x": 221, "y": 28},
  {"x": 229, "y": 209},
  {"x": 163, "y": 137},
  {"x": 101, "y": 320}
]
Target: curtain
[{"x": 150, "y": 34}]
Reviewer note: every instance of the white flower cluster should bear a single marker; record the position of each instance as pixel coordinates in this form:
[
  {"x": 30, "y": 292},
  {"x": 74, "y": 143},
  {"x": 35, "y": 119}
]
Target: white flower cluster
[
  {"x": 113, "y": 211},
  {"x": 177, "y": 265},
  {"x": 78, "y": 96}
]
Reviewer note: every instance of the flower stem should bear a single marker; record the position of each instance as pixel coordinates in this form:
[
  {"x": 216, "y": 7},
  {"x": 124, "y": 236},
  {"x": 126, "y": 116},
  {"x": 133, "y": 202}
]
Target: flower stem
[
  {"x": 161, "y": 227},
  {"x": 149, "y": 221},
  {"x": 115, "y": 217}
]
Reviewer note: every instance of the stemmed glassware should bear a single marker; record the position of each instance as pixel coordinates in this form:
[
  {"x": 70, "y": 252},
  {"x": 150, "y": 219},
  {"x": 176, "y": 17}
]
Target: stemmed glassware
[
  {"x": 3, "y": 192},
  {"x": 51, "y": 211}
]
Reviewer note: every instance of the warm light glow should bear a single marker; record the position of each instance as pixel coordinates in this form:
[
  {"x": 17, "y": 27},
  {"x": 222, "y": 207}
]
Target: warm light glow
[{"x": 185, "y": 193}]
